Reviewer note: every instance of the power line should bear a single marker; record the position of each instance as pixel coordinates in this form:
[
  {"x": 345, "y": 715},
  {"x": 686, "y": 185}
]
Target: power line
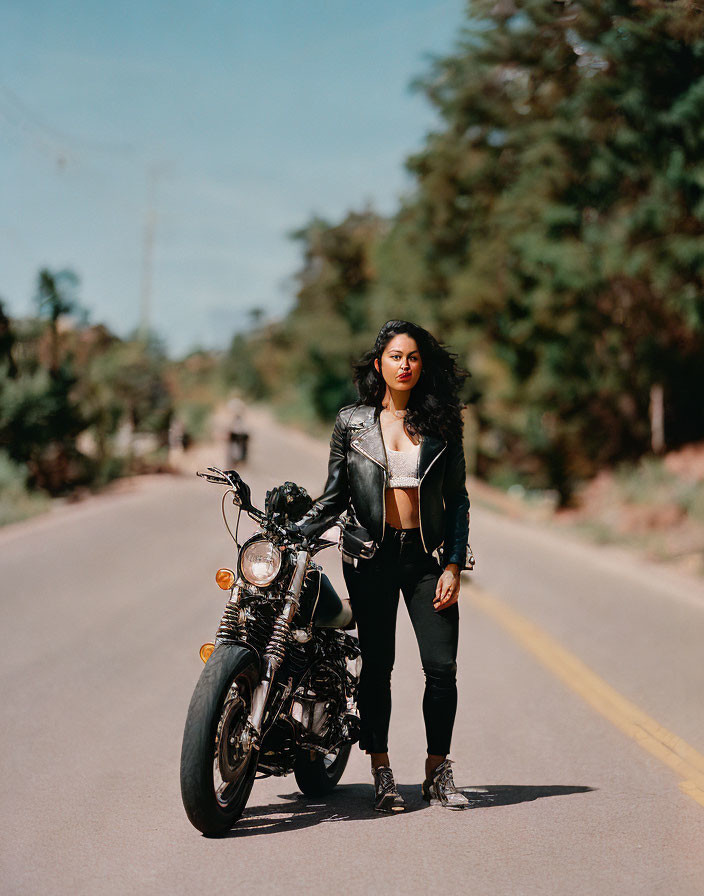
[{"x": 48, "y": 140}]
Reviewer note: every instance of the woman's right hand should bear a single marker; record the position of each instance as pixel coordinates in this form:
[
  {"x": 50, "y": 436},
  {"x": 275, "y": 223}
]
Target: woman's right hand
[{"x": 447, "y": 590}]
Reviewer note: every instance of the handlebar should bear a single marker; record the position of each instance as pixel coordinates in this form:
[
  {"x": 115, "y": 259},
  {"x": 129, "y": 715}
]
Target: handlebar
[
  {"x": 242, "y": 494},
  {"x": 212, "y": 477}
]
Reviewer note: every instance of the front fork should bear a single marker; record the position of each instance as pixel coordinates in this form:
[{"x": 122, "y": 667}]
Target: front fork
[{"x": 274, "y": 654}]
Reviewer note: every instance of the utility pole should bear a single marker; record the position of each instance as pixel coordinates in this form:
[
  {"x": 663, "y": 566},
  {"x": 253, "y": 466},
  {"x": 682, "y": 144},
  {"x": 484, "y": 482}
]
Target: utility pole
[{"x": 657, "y": 418}]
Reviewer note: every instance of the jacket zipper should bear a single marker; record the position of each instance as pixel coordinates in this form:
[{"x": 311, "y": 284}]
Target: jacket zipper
[
  {"x": 383, "y": 487},
  {"x": 420, "y": 515}
]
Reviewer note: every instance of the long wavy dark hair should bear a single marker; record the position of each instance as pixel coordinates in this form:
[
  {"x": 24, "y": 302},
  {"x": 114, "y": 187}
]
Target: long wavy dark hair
[{"x": 434, "y": 406}]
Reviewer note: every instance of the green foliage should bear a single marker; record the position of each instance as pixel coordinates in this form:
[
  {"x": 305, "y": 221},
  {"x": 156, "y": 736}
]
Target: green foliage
[
  {"x": 55, "y": 297},
  {"x": 39, "y": 425},
  {"x": 133, "y": 375},
  {"x": 56, "y": 293},
  {"x": 557, "y": 213},
  {"x": 243, "y": 366},
  {"x": 73, "y": 397},
  {"x": 305, "y": 360},
  {"x": 17, "y": 502},
  {"x": 196, "y": 384},
  {"x": 650, "y": 482},
  {"x": 554, "y": 238},
  {"x": 195, "y": 416}
]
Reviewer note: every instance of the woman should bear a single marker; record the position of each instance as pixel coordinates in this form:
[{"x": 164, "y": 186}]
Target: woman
[{"x": 397, "y": 468}]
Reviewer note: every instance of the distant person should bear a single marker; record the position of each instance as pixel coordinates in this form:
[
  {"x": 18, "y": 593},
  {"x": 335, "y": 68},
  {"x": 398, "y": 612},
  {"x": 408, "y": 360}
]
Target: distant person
[{"x": 404, "y": 432}]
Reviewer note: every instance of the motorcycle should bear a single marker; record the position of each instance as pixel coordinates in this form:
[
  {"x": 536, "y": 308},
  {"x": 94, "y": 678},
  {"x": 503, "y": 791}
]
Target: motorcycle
[
  {"x": 278, "y": 690},
  {"x": 237, "y": 445}
]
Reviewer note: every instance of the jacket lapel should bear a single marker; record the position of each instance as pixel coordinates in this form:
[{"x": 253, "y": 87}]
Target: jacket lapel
[
  {"x": 431, "y": 447},
  {"x": 369, "y": 441}
]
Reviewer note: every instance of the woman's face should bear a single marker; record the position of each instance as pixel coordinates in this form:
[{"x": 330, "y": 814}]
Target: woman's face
[{"x": 400, "y": 363}]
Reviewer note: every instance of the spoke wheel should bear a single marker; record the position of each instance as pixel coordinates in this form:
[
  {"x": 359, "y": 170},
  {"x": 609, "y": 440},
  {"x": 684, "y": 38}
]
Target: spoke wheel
[
  {"x": 230, "y": 759},
  {"x": 217, "y": 771}
]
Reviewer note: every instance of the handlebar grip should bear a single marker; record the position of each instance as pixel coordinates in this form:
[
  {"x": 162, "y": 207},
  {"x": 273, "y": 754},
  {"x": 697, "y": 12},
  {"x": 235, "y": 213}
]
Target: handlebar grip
[{"x": 210, "y": 477}]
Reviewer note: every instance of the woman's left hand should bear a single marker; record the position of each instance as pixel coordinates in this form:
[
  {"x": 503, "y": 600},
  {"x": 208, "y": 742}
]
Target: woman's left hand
[{"x": 447, "y": 589}]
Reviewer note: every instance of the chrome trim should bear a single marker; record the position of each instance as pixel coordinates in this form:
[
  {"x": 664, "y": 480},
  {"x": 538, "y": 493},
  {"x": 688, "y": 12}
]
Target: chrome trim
[
  {"x": 420, "y": 482},
  {"x": 276, "y": 649},
  {"x": 383, "y": 510},
  {"x": 263, "y": 538}
]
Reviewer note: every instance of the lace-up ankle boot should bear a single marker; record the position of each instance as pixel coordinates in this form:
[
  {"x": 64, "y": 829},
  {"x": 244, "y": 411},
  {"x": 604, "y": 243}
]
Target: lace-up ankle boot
[
  {"x": 439, "y": 789},
  {"x": 386, "y": 797}
]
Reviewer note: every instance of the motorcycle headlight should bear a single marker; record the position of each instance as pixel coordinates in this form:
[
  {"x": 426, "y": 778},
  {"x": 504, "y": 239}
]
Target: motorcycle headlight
[{"x": 260, "y": 562}]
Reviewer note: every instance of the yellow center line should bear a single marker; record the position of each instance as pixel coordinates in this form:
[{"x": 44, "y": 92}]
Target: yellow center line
[{"x": 670, "y": 749}]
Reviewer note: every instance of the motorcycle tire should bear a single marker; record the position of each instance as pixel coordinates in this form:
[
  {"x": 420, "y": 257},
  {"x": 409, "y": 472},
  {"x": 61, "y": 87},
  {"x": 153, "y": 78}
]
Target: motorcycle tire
[
  {"x": 318, "y": 775},
  {"x": 215, "y": 780}
]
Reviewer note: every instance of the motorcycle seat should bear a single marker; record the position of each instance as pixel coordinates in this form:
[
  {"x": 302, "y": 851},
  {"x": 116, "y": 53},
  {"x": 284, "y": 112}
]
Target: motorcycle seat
[{"x": 331, "y": 610}]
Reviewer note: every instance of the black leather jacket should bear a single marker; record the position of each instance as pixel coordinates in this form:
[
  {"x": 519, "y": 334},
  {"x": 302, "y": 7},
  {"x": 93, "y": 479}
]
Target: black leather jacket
[{"x": 357, "y": 475}]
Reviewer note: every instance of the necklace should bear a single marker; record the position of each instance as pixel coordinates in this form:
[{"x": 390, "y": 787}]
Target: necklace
[{"x": 396, "y": 413}]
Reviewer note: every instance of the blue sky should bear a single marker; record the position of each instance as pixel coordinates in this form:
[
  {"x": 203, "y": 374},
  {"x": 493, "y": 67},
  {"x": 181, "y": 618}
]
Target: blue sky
[{"x": 246, "y": 118}]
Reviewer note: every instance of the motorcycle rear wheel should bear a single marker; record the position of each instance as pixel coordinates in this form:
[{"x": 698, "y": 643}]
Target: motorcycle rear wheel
[
  {"x": 216, "y": 777},
  {"x": 318, "y": 774}
]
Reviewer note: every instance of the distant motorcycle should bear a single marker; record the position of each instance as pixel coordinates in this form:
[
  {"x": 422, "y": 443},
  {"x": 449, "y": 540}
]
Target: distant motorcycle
[
  {"x": 279, "y": 687},
  {"x": 237, "y": 433},
  {"x": 237, "y": 446}
]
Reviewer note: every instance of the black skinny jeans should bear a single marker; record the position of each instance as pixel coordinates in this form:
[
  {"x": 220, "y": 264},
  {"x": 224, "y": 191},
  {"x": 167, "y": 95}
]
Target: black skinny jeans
[{"x": 373, "y": 585}]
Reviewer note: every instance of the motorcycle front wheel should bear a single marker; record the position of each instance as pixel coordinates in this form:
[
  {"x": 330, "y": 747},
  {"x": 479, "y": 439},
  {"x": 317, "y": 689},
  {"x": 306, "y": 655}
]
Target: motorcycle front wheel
[{"x": 216, "y": 774}]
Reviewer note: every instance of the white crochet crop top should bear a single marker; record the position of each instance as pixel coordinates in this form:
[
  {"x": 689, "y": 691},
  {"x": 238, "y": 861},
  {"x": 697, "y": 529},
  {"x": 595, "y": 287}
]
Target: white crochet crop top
[{"x": 403, "y": 468}]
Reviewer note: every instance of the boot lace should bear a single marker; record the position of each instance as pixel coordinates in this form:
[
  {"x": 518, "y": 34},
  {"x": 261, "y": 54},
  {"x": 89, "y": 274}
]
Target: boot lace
[
  {"x": 385, "y": 780},
  {"x": 445, "y": 782}
]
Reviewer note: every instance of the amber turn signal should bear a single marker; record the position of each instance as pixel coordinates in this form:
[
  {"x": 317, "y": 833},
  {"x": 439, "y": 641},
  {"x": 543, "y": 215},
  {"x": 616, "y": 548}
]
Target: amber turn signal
[
  {"x": 206, "y": 650},
  {"x": 225, "y": 579}
]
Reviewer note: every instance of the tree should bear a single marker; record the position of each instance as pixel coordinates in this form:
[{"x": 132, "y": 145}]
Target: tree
[
  {"x": 7, "y": 341},
  {"x": 303, "y": 361},
  {"x": 553, "y": 236},
  {"x": 558, "y": 213},
  {"x": 54, "y": 298}
]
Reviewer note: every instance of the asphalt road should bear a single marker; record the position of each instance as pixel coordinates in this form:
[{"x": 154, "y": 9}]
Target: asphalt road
[{"x": 579, "y": 736}]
